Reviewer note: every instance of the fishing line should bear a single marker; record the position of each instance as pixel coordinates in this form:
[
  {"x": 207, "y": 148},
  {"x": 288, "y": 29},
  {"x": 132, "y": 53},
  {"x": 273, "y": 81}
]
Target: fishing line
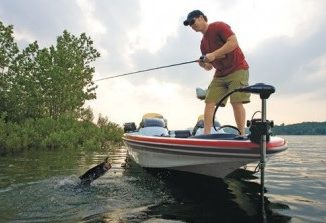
[{"x": 155, "y": 68}]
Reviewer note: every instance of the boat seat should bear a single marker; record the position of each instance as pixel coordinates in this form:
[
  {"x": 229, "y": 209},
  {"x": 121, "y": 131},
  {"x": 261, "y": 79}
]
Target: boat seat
[
  {"x": 182, "y": 134},
  {"x": 219, "y": 136},
  {"x": 152, "y": 122}
]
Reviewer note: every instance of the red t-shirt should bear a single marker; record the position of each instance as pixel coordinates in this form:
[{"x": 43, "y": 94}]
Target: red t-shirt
[{"x": 214, "y": 38}]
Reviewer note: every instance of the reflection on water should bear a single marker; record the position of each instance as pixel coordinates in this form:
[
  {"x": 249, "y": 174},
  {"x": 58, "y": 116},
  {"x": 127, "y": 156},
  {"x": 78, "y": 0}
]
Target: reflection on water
[
  {"x": 43, "y": 186},
  {"x": 203, "y": 199}
]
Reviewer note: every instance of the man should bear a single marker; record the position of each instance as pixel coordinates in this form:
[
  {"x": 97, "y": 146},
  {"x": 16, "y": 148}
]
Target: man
[{"x": 220, "y": 47}]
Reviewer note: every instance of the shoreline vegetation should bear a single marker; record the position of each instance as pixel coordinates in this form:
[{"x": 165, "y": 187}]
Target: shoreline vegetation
[
  {"x": 43, "y": 93},
  {"x": 63, "y": 133}
]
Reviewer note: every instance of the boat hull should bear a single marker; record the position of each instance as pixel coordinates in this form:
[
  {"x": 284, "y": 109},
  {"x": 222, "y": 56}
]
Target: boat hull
[{"x": 215, "y": 158}]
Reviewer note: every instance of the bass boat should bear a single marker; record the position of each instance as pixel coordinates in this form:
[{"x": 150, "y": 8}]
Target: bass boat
[{"x": 218, "y": 154}]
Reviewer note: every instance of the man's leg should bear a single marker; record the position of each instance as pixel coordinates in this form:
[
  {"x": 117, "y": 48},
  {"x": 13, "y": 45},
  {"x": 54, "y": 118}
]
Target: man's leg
[
  {"x": 208, "y": 117},
  {"x": 239, "y": 116}
]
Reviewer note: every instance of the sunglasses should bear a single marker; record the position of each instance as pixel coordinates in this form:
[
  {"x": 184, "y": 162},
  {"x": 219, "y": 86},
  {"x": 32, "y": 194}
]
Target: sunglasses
[{"x": 192, "y": 21}]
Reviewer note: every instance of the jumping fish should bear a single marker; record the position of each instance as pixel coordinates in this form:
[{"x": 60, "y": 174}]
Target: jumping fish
[{"x": 92, "y": 174}]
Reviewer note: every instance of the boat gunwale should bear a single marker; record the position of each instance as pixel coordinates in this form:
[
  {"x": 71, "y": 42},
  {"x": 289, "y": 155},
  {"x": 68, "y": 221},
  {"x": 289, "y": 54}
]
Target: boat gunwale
[
  {"x": 277, "y": 145},
  {"x": 189, "y": 152}
]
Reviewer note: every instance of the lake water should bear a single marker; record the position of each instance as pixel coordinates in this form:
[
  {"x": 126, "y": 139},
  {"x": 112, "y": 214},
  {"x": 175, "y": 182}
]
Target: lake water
[{"x": 42, "y": 186}]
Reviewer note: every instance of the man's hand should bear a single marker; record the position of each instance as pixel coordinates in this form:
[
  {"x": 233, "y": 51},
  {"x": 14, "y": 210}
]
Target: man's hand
[
  {"x": 206, "y": 66},
  {"x": 209, "y": 58},
  {"x": 212, "y": 56}
]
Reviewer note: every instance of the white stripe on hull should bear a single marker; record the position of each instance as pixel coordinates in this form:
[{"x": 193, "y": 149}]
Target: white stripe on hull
[{"x": 216, "y": 166}]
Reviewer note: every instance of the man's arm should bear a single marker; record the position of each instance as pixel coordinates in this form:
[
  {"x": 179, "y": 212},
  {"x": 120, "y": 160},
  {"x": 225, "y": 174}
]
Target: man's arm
[{"x": 230, "y": 45}]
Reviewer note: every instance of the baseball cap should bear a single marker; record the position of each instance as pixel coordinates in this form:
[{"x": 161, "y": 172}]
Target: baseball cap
[{"x": 192, "y": 15}]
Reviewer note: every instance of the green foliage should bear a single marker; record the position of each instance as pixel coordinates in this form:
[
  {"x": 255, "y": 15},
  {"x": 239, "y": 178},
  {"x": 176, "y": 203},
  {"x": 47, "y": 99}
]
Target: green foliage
[
  {"x": 304, "y": 128},
  {"x": 8, "y": 52},
  {"x": 70, "y": 83},
  {"x": 8, "y": 48},
  {"x": 42, "y": 94},
  {"x": 48, "y": 82},
  {"x": 62, "y": 133}
]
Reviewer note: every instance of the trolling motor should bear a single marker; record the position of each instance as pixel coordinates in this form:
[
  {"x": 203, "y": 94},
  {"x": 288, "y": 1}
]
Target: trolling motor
[
  {"x": 257, "y": 127},
  {"x": 260, "y": 127},
  {"x": 260, "y": 131},
  {"x": 262, "y": 89}
]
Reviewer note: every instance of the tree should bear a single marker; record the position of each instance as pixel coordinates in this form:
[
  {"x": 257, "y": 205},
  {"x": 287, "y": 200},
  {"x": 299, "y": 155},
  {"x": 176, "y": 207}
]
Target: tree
[
  {"x": 69, "y": 83},
  {"x": 25, "y": 95},
  {"x": 46, "y": 82},
  {"x": 8, "y": 52},
  {"x": 8, "y": 48}
]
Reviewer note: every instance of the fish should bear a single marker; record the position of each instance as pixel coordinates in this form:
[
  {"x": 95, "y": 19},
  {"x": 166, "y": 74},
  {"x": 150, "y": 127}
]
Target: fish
[{"x": 95, "y": 172}]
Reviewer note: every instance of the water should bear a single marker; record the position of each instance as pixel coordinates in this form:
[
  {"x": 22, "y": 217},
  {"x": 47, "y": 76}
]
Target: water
[{"x": 42, "y": 186}]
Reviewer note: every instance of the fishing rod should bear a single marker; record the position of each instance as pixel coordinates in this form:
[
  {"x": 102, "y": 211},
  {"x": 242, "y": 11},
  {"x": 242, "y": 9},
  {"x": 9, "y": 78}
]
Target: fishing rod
[{"x": 155, "y": 68}]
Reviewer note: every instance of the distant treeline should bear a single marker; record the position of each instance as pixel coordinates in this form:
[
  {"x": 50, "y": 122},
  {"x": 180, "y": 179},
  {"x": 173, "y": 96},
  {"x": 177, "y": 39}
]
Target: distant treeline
[{"x": 304, "y": 128}]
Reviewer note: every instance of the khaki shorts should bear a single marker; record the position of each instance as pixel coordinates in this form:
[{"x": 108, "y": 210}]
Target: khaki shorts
[{"x": 220, "y": 86}]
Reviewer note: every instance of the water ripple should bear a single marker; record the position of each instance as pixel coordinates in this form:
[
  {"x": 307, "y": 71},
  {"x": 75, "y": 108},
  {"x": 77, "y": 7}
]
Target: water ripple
[{"x": 45, "y": 188}]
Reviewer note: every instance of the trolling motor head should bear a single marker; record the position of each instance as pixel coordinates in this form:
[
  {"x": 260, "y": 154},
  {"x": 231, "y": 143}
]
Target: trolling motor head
[
  {"x": 260, "y": 127},
  {"x": 262, "y": 89}
]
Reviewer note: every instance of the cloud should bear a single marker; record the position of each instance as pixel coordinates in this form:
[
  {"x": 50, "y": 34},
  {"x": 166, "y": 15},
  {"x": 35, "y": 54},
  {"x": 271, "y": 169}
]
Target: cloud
[
  {"x": 93, "y": 24},
  {"x": 42, "y": 20},
  {"x": 292, "y": 65}
]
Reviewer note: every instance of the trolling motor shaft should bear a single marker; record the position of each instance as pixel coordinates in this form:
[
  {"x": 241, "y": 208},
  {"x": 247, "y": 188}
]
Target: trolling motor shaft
[{"x": 260, "y": 131}]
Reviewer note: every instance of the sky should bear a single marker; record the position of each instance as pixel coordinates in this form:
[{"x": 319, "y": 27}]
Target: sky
[{"x": 283, "y": 41}]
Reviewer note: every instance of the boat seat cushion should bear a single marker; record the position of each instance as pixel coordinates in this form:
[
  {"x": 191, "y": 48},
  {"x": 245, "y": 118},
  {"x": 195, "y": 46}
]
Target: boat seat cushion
[{"x": 151, "y": 122}]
